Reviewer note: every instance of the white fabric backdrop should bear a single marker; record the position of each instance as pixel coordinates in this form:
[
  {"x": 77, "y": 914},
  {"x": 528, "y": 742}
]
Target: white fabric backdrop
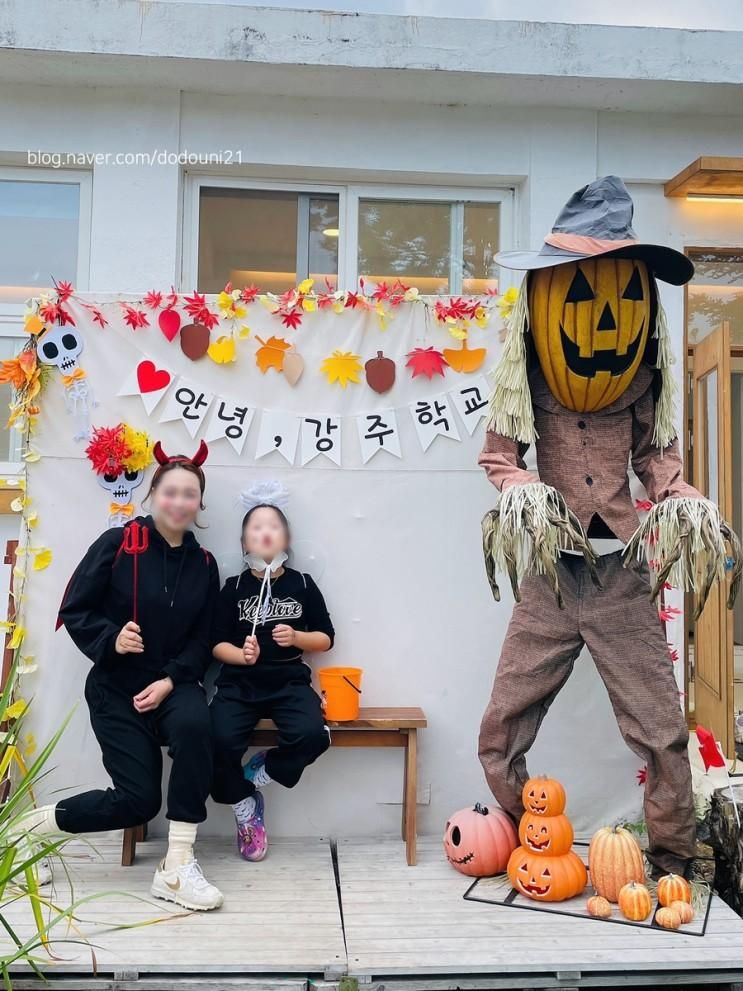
[{"x": 394, "y": 545}]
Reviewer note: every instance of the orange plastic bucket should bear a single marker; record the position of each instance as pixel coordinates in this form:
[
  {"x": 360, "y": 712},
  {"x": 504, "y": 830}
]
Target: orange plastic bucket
[{"x": 341, "y": 692}]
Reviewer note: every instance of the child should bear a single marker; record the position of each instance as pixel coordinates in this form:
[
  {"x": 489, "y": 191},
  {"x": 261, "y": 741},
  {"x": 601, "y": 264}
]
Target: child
[{"x": 266, "y": 617}]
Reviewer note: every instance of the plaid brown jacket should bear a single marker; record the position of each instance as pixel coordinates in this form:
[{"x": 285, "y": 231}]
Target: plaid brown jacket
[{"x": 586, "y": 456}]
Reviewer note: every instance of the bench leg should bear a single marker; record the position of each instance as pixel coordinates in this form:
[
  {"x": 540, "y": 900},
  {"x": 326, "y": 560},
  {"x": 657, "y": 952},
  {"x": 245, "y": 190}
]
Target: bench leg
[
  {"x": 410, "y": 797},
  {"x": 129, "y": 845},
  {"x": 142, "y": 833}
]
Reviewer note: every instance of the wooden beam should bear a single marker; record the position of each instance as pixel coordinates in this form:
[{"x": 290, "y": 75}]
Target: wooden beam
[{"x": 708, "y": 176}]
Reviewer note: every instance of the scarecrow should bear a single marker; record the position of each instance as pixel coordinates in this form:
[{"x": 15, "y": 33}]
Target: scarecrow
[{"x": 585, "y": 377}]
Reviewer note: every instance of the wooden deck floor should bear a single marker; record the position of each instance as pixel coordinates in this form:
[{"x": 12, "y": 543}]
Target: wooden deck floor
[{"x": 284, "y": 927}]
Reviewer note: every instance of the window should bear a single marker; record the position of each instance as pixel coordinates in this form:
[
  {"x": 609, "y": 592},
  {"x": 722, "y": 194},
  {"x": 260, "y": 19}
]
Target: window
[
  {"x": 715, "y": 293},
  {"x": 274, "y": 234},
  {"x": 269, "y": 238},
  {"x": 437, "y": 247},
  {"x": 44, "y": 234}
]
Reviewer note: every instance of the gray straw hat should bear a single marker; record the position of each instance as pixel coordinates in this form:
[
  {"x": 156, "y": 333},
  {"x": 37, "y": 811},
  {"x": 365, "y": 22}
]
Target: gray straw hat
[{"x": 597, "y": 222}]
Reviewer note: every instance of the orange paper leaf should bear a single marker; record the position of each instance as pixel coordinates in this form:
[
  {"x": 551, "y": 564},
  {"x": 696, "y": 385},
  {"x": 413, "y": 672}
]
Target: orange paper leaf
[
  {"x": 463, "y": 359},
  {"x": 271, "y": 353}
]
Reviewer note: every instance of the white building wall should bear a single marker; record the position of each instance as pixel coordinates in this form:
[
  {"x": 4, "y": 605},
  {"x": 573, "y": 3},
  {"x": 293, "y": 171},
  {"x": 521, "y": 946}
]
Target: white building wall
[{"x": 545, "y": 155}]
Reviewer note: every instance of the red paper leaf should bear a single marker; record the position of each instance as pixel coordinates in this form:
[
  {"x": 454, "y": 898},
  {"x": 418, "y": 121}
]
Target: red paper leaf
[
  {"x": 98, "y": 316},
  {"x": 249, "y": 293},
  {"x": 644, "y": 505},
  {"x": 426, "y": 361},
  {"x": 153, "y": 299},
  {"x": 134, "y": 318},
  {"x": 169, "y": 323},
  {"x": 642, "y": 775},
  {"x": 196, "y": 307},
  {"x": 292, "y": 318},
  {"x": 64, "y": 291}
]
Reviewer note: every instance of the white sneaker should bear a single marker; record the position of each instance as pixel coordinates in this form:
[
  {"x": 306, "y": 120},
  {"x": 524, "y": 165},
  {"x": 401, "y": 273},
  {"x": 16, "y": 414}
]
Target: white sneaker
[
  {"x": 186, "y": 886},
  {"x": 43, "y": 872}
]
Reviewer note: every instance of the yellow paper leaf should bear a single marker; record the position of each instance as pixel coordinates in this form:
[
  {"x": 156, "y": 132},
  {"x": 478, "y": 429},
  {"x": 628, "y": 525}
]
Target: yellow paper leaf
[
  {"x": 15, "y": 709},
  {"x": 223, "y": 350},
  {"x": 342, "y": 367},
  {"x": 29, "y": 745},
  {"x": 309, "y": 305},
  {"x": 27, "y": 664},
  {"x": 42, "y": 559},
  {"x": 338, "y": 307},
  {"x": 19, "y": 573},
  {"x": 33, "y": 324},
  {"x": 306, "y": 285},
  {"x": 268, "y": 303},
  {"x": 5, "y": 625},
  {"x": 243, "y": 332},
  {"x": 17, "y": 639},
  {"x": 32, "y": 456},
  {"x": 18, "y": 504}
]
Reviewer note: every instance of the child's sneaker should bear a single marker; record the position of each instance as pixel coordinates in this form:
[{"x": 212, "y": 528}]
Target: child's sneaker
[
  {"x": 254, "y": 765},
  {"x": 252, "y": 841},
  {"x": 186, "y": 886}
]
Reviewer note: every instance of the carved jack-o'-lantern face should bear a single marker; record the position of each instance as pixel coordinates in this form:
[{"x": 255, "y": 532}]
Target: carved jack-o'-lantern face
[
  {"x": 543, "y": 797},
  {"x": 590, "y": 322},
  {"x": 551, "y": 835},
  {"x": 545, "y": 878}
]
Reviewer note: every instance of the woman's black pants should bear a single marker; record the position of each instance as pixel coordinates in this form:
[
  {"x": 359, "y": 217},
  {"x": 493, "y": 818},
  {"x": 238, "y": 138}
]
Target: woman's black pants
[
  {"x": 282, "y": 692},
  {"x": 131, "y": 749}
]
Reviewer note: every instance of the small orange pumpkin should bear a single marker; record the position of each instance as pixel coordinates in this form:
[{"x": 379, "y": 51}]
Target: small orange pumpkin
[
  {"x": 635, "y": 902},
  {"x": 614, "y": 859},
  {"x": 685, "y": 911},
  {"x": 543, "y": 797},
  {"x": 478, "y": 841},
  {"x": 673, "y": 888},
  {"x": 667, "y": 918},
  {"x": 598, "y": 907},
  {"x": 546, "y": 835},
  {"x": 547, "y": 879}
]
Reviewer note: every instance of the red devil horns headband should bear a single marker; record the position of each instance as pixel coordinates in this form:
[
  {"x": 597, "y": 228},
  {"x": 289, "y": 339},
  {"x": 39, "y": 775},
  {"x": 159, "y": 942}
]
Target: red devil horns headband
[{"x": 197, "y": 460}]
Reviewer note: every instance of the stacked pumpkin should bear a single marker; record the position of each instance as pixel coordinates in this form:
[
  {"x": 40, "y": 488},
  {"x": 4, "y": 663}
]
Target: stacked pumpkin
[{"x": 545, "y": 867}]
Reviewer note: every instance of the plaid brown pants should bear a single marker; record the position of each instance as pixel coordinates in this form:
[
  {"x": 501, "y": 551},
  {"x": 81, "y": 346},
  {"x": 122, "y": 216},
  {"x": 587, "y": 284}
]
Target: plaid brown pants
[{"x": 621, "y": 628}]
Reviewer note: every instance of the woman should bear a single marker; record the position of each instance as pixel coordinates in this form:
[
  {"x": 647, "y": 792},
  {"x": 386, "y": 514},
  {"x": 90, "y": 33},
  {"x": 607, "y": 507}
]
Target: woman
[{"x": 144, "y": 620}]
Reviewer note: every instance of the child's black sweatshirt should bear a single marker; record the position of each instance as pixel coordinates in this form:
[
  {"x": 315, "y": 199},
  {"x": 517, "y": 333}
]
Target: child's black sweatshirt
[
  {"x": 296, "y": 601},
  {"x": 177, "y": 593}
]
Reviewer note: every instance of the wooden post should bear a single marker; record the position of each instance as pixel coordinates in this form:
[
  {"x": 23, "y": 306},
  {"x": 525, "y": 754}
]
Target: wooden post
[
  {"x": 726, "y": 840},
  {"x": 10, "y": 558}
]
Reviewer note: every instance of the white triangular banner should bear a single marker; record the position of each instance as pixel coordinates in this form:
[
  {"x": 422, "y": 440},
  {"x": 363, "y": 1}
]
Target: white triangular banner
[
  {"x": 433, "y": 418},
  {"x": 230, "y": 421},
  {"x": 471, "y": 402},
  {"x": 378, "y": 432},
  {"x": 149, "y": 382},
  {"x": 321, "y": 435},
  {"x": 188, "y": 403},
  {"x": 279, "y": 431}
]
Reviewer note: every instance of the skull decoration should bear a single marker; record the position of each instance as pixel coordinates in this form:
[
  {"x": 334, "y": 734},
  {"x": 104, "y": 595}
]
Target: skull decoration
[
  {"x": 121, "y": 485},
  {"x": 61, "y": 347}
]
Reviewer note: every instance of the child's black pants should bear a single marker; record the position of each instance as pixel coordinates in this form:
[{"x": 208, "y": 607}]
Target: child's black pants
[
  {"x": 282, "y": 692},
  {"x": 131, "y": 749}
]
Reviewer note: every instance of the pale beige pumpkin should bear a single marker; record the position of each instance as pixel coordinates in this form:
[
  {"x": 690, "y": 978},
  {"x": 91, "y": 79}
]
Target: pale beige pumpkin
[
  {"x": 673, "y": 888},
  {"x": 685, "y": 911},
  {"x": 635, "y": 902},
  {"x": 598, "y": 907},
  {"x": 614, "y": 859}
]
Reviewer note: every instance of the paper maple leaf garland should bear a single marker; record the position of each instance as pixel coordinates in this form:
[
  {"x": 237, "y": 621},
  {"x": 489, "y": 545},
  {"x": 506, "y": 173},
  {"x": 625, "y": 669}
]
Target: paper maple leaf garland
[
  {"x": 426, "y": 361},
  {"x": 342, "y": 367}
]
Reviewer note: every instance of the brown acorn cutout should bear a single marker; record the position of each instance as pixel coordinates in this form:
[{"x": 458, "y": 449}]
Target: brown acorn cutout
[
  {"x": 194, "y": 340},
  {"x": 380, "y": 373},
  {"x": 293, "y": 366}
]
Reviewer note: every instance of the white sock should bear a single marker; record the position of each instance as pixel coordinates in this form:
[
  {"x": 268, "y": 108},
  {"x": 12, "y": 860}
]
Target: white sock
[
  {"x": 181, "y": 838},
  {"x": 244, "y": 809},
  {"x": 39, "y": 822},
  {"x": 261, "y": 778}
]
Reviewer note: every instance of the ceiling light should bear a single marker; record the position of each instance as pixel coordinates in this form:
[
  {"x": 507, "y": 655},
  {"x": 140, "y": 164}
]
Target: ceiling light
[{"x": 331, "y": 232}]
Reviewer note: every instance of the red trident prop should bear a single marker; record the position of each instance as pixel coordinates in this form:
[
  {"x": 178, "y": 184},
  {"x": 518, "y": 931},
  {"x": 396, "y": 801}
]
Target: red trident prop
[{"x": 136, "y": 541}]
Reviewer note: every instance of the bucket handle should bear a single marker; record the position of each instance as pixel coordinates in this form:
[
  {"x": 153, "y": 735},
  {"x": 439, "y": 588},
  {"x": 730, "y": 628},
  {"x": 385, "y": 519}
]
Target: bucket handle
[{"x": 346, "y": 678}]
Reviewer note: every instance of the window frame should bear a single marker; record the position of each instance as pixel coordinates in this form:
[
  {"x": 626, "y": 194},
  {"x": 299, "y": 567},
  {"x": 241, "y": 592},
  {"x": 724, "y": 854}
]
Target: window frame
[
  {"x": 11, "y": 314},
  {"x": 349, "y": 194}
]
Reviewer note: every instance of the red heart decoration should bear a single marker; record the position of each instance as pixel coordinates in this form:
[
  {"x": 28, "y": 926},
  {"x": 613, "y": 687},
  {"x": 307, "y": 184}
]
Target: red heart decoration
[
  {"x": 151, "y": 379},
  {"x": 169, "y": 323}
]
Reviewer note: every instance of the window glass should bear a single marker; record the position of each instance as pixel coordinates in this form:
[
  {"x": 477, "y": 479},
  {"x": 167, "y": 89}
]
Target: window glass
[
  {"x": 10, "y": 440},
  {"x": 715, "y": 293},
  {"x": 39, "y": 224},
  {"x": 481, "y": 244},
  {"x": 406, "y": 240}
]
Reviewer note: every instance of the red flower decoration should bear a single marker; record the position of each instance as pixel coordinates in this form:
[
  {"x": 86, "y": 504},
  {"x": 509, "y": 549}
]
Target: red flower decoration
[
  {"x": 667, "y": 613},
  {"x": 642, "y": 775},
  {"x": 153, "y": 299},
  {"x": 134, "y": 318},
  {"x": 108, "y": 450},
  {"x": 196, "y": 307}
]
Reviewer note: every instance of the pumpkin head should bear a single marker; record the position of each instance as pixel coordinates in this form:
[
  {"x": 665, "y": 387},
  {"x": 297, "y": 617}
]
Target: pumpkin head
[
  {"x": 546, "y": 879},
  {"x": 546, "y": 835},
  {"x": 478, "y": 841},
  {"x": 590, "y": 322},
  {"x": 543, "y": 797}
]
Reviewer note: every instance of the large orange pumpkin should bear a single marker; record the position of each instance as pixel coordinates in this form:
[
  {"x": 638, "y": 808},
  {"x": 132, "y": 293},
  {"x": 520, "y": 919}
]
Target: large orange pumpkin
[
  {"x": 673, "y": 888},
  {"x": 546, "y": 879},
  {"x": 614, "y": 859},
  {"x": 548, "y": 835},
  {"x": 478, "y": 841},
  {"x": 635, "y": 902},
  {"x": 590, "y": 322},
  {"x": 543, "y": 797}
]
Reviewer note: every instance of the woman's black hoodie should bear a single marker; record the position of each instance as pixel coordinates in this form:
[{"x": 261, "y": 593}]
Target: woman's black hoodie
[{"x": 177, "y": 593}]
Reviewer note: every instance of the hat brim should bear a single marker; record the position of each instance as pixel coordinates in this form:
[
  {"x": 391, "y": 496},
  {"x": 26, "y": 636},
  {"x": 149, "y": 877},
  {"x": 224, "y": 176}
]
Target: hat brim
[{"x": 665, "y": 263}]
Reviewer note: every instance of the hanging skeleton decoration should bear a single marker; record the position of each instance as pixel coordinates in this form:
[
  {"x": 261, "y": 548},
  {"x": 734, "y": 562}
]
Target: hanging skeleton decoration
[
  {"x": 119, "y": 456},
  {"x": 585, "y": 378},
  {"x": 61, "y": 347}
]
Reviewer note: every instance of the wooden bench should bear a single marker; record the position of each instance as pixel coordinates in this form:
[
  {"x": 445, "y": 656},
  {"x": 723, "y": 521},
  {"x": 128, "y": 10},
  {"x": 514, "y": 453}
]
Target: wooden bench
[{"x": 375, "y": 727}]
